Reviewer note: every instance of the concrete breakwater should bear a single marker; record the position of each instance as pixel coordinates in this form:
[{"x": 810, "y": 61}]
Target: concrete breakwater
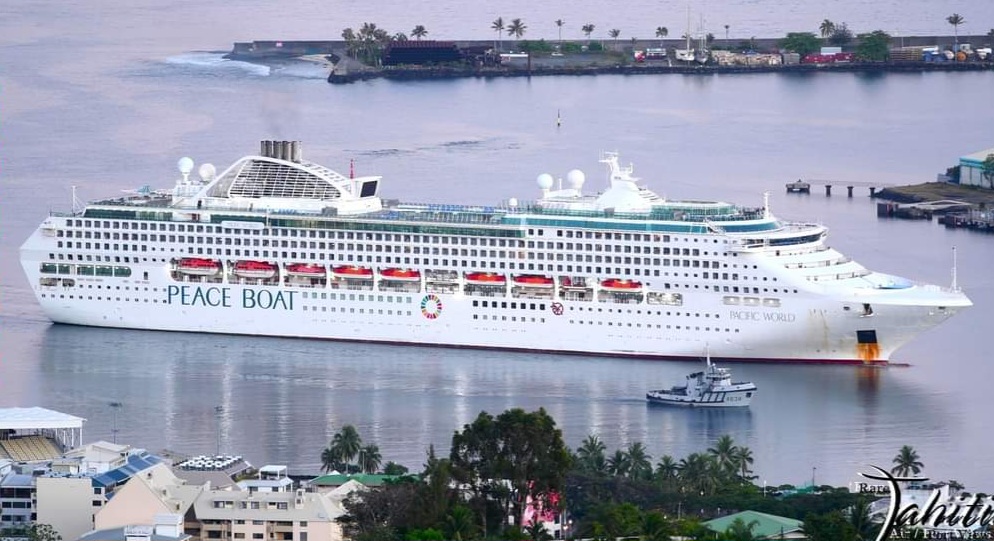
[{"x": 616, "y": 59}]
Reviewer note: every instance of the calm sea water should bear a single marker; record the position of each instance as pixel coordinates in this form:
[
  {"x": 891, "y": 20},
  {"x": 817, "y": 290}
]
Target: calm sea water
[{"x": 108, "y": 97}]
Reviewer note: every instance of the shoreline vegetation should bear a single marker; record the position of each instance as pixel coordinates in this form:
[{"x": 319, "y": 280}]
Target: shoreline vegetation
[{"x": 367, "y": 55}]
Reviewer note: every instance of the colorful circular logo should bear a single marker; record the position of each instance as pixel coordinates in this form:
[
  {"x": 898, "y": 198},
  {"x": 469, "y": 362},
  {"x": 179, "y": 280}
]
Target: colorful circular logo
[{"x": 431, "y": 306}]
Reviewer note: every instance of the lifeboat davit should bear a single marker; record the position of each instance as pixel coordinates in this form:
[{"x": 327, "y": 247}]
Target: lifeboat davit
[
  {"x": 255, "y": 269},
  {"x": 617, "y": 284},
  {"x": 309, "y": 270},
  {"x": 485, "y": 278},
  {"x": 533, "y": 280},
  {"x": 409, "y": 275},
  {"x": 198, "y": 266},
  {"x": 353, "y": 272}
]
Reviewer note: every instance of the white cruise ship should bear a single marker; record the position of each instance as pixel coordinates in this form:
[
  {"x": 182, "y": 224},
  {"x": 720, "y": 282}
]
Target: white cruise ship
[{"x": 279, "y": 246}]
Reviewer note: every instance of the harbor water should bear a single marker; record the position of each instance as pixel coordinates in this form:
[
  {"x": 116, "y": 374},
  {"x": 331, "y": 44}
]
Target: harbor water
[{"x": 107, "y": 98}]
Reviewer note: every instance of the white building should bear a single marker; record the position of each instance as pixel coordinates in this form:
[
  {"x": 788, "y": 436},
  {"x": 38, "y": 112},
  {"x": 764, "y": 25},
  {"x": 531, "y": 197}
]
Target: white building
[{"x": 971, "y": 169}]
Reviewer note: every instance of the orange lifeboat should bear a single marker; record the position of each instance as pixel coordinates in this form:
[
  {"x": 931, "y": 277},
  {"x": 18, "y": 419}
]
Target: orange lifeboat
[
  {"x": 408, "y": 275},
  {"x": 485, "y": 279},
  {"x": 617, "y": 284},
  {"x": 309, "y": 270},
  {"x": 255, "y": 269},
  {"x": 533, "y": 280},
  {"x": 198, "y": 266},
  {"x": 353, "y": 272}
]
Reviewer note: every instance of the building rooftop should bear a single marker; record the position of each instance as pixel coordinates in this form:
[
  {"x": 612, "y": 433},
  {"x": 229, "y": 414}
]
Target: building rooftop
[
  {"x": 977, "y": 157},
  {"x": 126, "y": 533},
  {"x": 36, "y": 418},
  {"x": 367, "y": 479},
  {"x": 767, "y": 526}
]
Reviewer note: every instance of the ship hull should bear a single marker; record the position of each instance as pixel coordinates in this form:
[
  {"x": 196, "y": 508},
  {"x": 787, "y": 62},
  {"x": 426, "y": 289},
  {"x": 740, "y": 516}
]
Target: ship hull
[{"x": 803, "y": 329}]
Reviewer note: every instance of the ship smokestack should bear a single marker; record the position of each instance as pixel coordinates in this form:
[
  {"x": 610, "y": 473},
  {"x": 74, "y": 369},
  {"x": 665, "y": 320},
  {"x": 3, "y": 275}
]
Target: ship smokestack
[
  {"x": 295, "y": 151},
  {"x": 286, "y": 151}
]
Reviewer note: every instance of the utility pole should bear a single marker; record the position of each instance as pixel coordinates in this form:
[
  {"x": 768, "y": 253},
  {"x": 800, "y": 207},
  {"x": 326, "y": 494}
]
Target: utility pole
[{"x": 115, "y": 405}]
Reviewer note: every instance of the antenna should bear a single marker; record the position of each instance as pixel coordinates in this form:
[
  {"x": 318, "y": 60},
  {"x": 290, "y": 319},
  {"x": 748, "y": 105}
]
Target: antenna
[
  {"x": 766, "y": 204},
  {"x": 955, "y": 286},
  {"x": 76, "y": 206}
]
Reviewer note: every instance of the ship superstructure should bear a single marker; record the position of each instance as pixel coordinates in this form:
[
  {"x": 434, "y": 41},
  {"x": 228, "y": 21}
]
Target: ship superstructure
[{"x": 279, "y": 246}]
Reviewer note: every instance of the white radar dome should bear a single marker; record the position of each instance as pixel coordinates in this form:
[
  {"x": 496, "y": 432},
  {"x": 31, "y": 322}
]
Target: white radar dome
[
  {"x": 576, "y": 178},
  {"x": 512, "y": 202},
  {"x": 545, "y": 181},
  {"x": 207, "y": 172},
  {"x": 185, "y": 165}
]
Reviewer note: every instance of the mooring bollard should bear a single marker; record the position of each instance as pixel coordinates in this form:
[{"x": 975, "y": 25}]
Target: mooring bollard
[
  {"x": 849, "y": 188},
  {"x": 828, "y": 190}
]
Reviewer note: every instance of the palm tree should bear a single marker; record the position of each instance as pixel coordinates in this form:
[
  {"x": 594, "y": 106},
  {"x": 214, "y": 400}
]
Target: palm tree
[
  {"x": 955, "y": 19},
  {"x": 370, "y": 459},
  {"x": 516, "y": 28},
  {"x": 559, "y": 24},
  {"x": 459, "y": 524},
  {"x": 743, "y": 459},
  {"x": 346, "y": 443},
  {"x": 330, "y": 459},
  {"x": 498, "y": 26},
  {"x": 591, "y": 454},
  {"x": 739, "y": 530},
  {"x": 827, "y": 28},
  {"x": 666, "y": 470},
  {"x": 662, "y": 32},
  {"x": 614, "y": 33},
  {"x": 419, "y": 32},
  {"x": 724, "y": 453},
  {"x": 536, "y": 531},
  {"x": 618, "y": 464},
  {"x": 350, "y": 42},
  {"x": 698, "y": 473},
  {"x": 859, "y": 519},
  {"x": 587, "y": 30},
  {"x": 399, "y": 36},
  {"x": 907, "y": 462},
  {"x": 655, "y": 527},
  {"x": 639, "y": 462}
]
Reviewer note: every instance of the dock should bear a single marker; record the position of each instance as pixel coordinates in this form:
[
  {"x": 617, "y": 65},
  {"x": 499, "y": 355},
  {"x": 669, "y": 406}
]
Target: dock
[
  {"x": 923, "y": 210},
  {"x": 975, "y": 219},
  {"x": 804, "y": 186}
]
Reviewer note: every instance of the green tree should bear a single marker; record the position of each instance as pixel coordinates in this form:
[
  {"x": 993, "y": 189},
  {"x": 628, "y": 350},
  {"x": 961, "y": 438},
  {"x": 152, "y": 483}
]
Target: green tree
[
  {"x": 618, "y": 464},
  {"x": 639, "y": 462},
  {"x": 859, "y": 519},
  {"x": 666, "y": 472},
  {"x": 419, "y": 32},
  {"x": 661, "y": 33},
  {"x": 907, "y": 462},
  {"x": 587, "y": 30},
  {"x": 498, "y": 26},
  {"x": 827, "y": 28},
  {"x": 459, "y": 525},
  {"x": 830, "y": 526},
  {"x": 955, "y": 19},
  {"x": 744, "y": 460},
  {"x": 392, "y": 468},
  {"x": 330, "y": 460},
  {"x": 699, "y": 473},
  {"x": 516, "y": 28},
  {"x": 350, "y": 42},
  {"x": 841, "y": 35},
  {"x": 987, "y": 170},
  {"x": 519, "y": 449},
  {"x": 724, "y": 453},
  {"x": 739, "y": 530},
  {"x": 399, "y": 36},
  {"x": 559, "y": 26},
  {"x": 802, "y": 43},
  {"x": 614, "y": 33},
  {"x": 43, "y": 532},
  {"x": 590, "y": 455},
  {"x": 370, "y": 459},
  {"x": 874, "y": 47},
  {"x": 345, "y": 445},
  {"x": 655, "y": 527},
  {"x": 536, "y": 531}
]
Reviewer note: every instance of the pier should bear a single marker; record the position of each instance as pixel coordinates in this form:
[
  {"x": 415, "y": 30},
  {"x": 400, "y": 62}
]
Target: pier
[
  {"x": 922, "y": 210},
  {"x": 804, "y": 186}
]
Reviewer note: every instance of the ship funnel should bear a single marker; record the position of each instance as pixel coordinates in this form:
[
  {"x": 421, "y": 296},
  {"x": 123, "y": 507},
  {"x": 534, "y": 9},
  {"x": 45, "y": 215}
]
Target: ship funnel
[
  {"x": 295, "y": 151},
  {"x": 281, "y": 150},
  {"x": 286, "y": 152}
]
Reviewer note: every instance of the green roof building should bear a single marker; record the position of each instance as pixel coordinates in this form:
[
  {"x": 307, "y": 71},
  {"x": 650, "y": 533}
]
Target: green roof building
[
  {"x": 766, "y": 527},
  {"x": 367, "y": 479}
]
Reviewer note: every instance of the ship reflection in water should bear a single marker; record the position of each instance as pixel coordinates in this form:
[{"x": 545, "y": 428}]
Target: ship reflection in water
[{"x": 284, "y": 398}]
